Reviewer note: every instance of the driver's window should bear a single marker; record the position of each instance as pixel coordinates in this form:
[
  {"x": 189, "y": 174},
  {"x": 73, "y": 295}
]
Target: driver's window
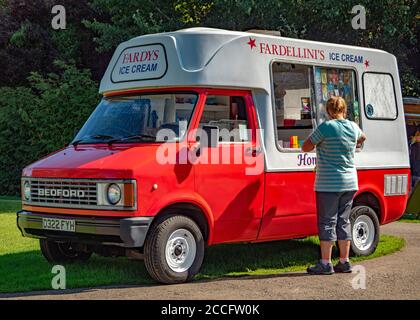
[
  {"x": 171, "y": 112},
  {"x": 229, "y": 114}
]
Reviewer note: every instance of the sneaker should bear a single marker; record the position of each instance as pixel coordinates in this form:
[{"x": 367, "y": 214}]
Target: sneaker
[
  {"x": 321, "y": 268},
  {"x": 343, "y": 267}
]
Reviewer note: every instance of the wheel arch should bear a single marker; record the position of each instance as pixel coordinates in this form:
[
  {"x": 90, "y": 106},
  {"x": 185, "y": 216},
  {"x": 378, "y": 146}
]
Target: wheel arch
[
  {"x": 191, "y": 210},
  {"x": 372, "y": 200}
]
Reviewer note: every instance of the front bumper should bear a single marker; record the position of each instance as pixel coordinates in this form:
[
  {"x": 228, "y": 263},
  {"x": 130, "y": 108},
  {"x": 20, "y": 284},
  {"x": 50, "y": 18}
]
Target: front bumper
[{"x": 124, "y": 232}]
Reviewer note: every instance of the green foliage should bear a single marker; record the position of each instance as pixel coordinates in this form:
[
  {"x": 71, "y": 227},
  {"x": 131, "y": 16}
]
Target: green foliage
[
  {"x": 68, "y": 42},
  {"x": 131, "y": 18},
  {"x": 280, "y": 15},
  {"x": 410, "y": 84},
  {"x": 19, "y": 37},
  {"x": 41, "y": 118},
  {"x": 193, "y": 11},
  {"x": 28, "y": 42}
]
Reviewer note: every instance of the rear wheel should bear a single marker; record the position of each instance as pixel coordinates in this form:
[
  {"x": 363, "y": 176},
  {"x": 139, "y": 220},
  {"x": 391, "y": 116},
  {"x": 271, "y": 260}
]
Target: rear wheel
[
  {"x": 174, "y": 250},
  {"x": 365, "y": 231},
  {"x": 62, "y": 252}
]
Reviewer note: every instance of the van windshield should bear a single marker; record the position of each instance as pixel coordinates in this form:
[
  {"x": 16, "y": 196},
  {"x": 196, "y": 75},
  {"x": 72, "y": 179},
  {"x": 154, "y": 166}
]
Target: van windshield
[{"x": 142, "y": 118}]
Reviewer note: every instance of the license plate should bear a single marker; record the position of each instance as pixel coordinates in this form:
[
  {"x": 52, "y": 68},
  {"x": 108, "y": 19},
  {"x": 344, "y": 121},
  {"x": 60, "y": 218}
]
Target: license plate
[{"x": 59, "y": 224}]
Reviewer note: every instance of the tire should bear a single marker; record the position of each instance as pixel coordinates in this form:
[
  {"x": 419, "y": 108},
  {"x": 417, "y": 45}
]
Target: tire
[
  {"x": 364, "y": 230},
  {"x": 62, "y": 252},
  {"x": 174, "y": 250}
]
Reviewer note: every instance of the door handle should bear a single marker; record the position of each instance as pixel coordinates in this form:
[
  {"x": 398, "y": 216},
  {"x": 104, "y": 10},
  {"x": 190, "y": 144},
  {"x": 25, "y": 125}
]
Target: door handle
[{"x": 253, "y": 151}]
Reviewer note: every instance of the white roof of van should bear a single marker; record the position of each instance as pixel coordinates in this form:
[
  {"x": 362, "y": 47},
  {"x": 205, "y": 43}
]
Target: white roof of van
[
  {"x": 208, "y": 57},
  {"x": 215, "y": 32}
]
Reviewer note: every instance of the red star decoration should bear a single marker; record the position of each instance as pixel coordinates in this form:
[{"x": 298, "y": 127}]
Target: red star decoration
[
  {"x": 367, "y": 63},
  {"x": 251, "y": 43}
]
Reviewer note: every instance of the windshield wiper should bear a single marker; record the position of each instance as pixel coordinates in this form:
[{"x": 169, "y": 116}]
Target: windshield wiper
[
  {"x": 94, "y": 137},
  {"x": 137, "y": 136}
]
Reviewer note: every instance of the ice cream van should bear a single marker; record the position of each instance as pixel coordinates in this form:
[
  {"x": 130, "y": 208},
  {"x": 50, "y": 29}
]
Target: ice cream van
[{"x": 196, "y": 142}]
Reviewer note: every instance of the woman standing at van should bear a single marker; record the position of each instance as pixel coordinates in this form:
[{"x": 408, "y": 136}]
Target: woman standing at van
[{"x": 335, "y": 183}]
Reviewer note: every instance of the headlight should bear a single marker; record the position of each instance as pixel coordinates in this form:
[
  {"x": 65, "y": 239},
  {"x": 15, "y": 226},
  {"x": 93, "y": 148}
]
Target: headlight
[
  {"x": 26, "y": 190},
  {"x": 114, "y": 193}
]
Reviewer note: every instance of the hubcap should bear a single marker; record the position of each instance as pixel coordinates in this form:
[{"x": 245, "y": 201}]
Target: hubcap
[
  {"x": 363, "y": 232},
  {"x": 180, "y": 250}
]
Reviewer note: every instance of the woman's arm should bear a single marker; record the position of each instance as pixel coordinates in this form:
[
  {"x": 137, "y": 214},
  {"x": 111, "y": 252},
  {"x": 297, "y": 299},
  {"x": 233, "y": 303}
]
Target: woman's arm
[
  {"x": 315, "y": 138},
  {"x": 308, "y": 146},
  {"x": 361, "y": 140}
]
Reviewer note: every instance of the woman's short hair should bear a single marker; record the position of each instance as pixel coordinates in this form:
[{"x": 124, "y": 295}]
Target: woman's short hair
[{"x": 337, "y": 105}]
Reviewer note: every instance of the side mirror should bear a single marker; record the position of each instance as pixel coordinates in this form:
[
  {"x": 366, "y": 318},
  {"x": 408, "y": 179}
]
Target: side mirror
[{"x": 211, "y": 136}]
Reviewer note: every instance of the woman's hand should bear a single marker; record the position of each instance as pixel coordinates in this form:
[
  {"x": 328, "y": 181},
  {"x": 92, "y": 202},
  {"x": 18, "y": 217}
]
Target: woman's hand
[
  {"x": 361, "y": 140},
  {"x": 308, "y": 146}
]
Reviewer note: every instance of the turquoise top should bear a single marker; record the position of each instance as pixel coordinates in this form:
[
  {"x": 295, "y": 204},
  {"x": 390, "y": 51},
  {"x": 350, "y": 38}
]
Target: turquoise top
[{"x": 335, "y": 142}]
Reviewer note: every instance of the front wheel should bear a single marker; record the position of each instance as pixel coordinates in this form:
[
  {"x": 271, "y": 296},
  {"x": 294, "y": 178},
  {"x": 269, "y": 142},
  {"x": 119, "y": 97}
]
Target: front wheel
[
  {"x": 174, "y": 250},
  {"x": 364, "y": 230},
  {"x": 62, "y": 252}
]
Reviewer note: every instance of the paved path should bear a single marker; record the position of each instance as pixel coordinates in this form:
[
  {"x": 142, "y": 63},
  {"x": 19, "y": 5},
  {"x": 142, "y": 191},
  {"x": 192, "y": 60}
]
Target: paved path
[{"x": 396, "y": 276}]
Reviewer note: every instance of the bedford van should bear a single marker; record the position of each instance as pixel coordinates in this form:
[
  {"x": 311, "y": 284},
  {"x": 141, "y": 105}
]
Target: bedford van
[{"x": 196, "y": 142}]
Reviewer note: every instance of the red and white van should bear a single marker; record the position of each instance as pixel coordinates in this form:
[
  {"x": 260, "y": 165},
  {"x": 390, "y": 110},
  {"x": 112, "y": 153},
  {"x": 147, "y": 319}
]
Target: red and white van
[{"x": 196, "y": 142}]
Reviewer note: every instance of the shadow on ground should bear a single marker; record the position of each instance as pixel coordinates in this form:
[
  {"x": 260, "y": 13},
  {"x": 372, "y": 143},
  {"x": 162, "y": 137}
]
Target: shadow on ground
[{"x": 28, "y": 271}]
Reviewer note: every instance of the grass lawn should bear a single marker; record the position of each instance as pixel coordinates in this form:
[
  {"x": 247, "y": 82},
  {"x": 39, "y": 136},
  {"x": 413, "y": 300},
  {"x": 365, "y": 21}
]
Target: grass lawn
[
  {"x": 22, "y": 268},
  {"x": 9, "y": 204},
  {"x": 410, "y": 218}
]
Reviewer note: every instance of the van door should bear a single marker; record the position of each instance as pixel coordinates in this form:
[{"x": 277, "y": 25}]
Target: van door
[{"x": 229, "y": 172}]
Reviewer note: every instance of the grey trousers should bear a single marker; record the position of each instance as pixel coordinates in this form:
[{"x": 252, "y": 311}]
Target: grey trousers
[{"x": 333, "y": 211}]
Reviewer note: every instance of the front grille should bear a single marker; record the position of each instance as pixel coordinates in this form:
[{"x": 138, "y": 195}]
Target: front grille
[{"x": 63, "y": 193}]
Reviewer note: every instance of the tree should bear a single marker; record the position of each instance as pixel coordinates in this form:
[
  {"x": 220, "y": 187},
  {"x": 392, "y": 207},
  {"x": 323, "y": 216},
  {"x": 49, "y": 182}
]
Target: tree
[
  {"x": 392, "y": 25},
  {"x": 131, "y": 18},
  {"x": 29, "y": 43},
  {"x": 41, "y": 118}
]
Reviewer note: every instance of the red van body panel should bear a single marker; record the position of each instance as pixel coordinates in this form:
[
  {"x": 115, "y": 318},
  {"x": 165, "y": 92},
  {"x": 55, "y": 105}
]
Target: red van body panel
[
  {"x": 392, "y": 207},
  {"x": 290, "y": 208}
]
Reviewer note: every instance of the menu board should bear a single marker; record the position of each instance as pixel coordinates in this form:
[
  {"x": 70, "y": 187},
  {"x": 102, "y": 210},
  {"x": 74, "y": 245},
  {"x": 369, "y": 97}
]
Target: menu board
[{"x": 333, "y": 82}]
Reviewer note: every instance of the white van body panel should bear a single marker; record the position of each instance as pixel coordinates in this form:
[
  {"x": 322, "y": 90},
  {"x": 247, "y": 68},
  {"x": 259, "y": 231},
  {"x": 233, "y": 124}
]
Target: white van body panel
[{"x": 202, "y": 57}]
